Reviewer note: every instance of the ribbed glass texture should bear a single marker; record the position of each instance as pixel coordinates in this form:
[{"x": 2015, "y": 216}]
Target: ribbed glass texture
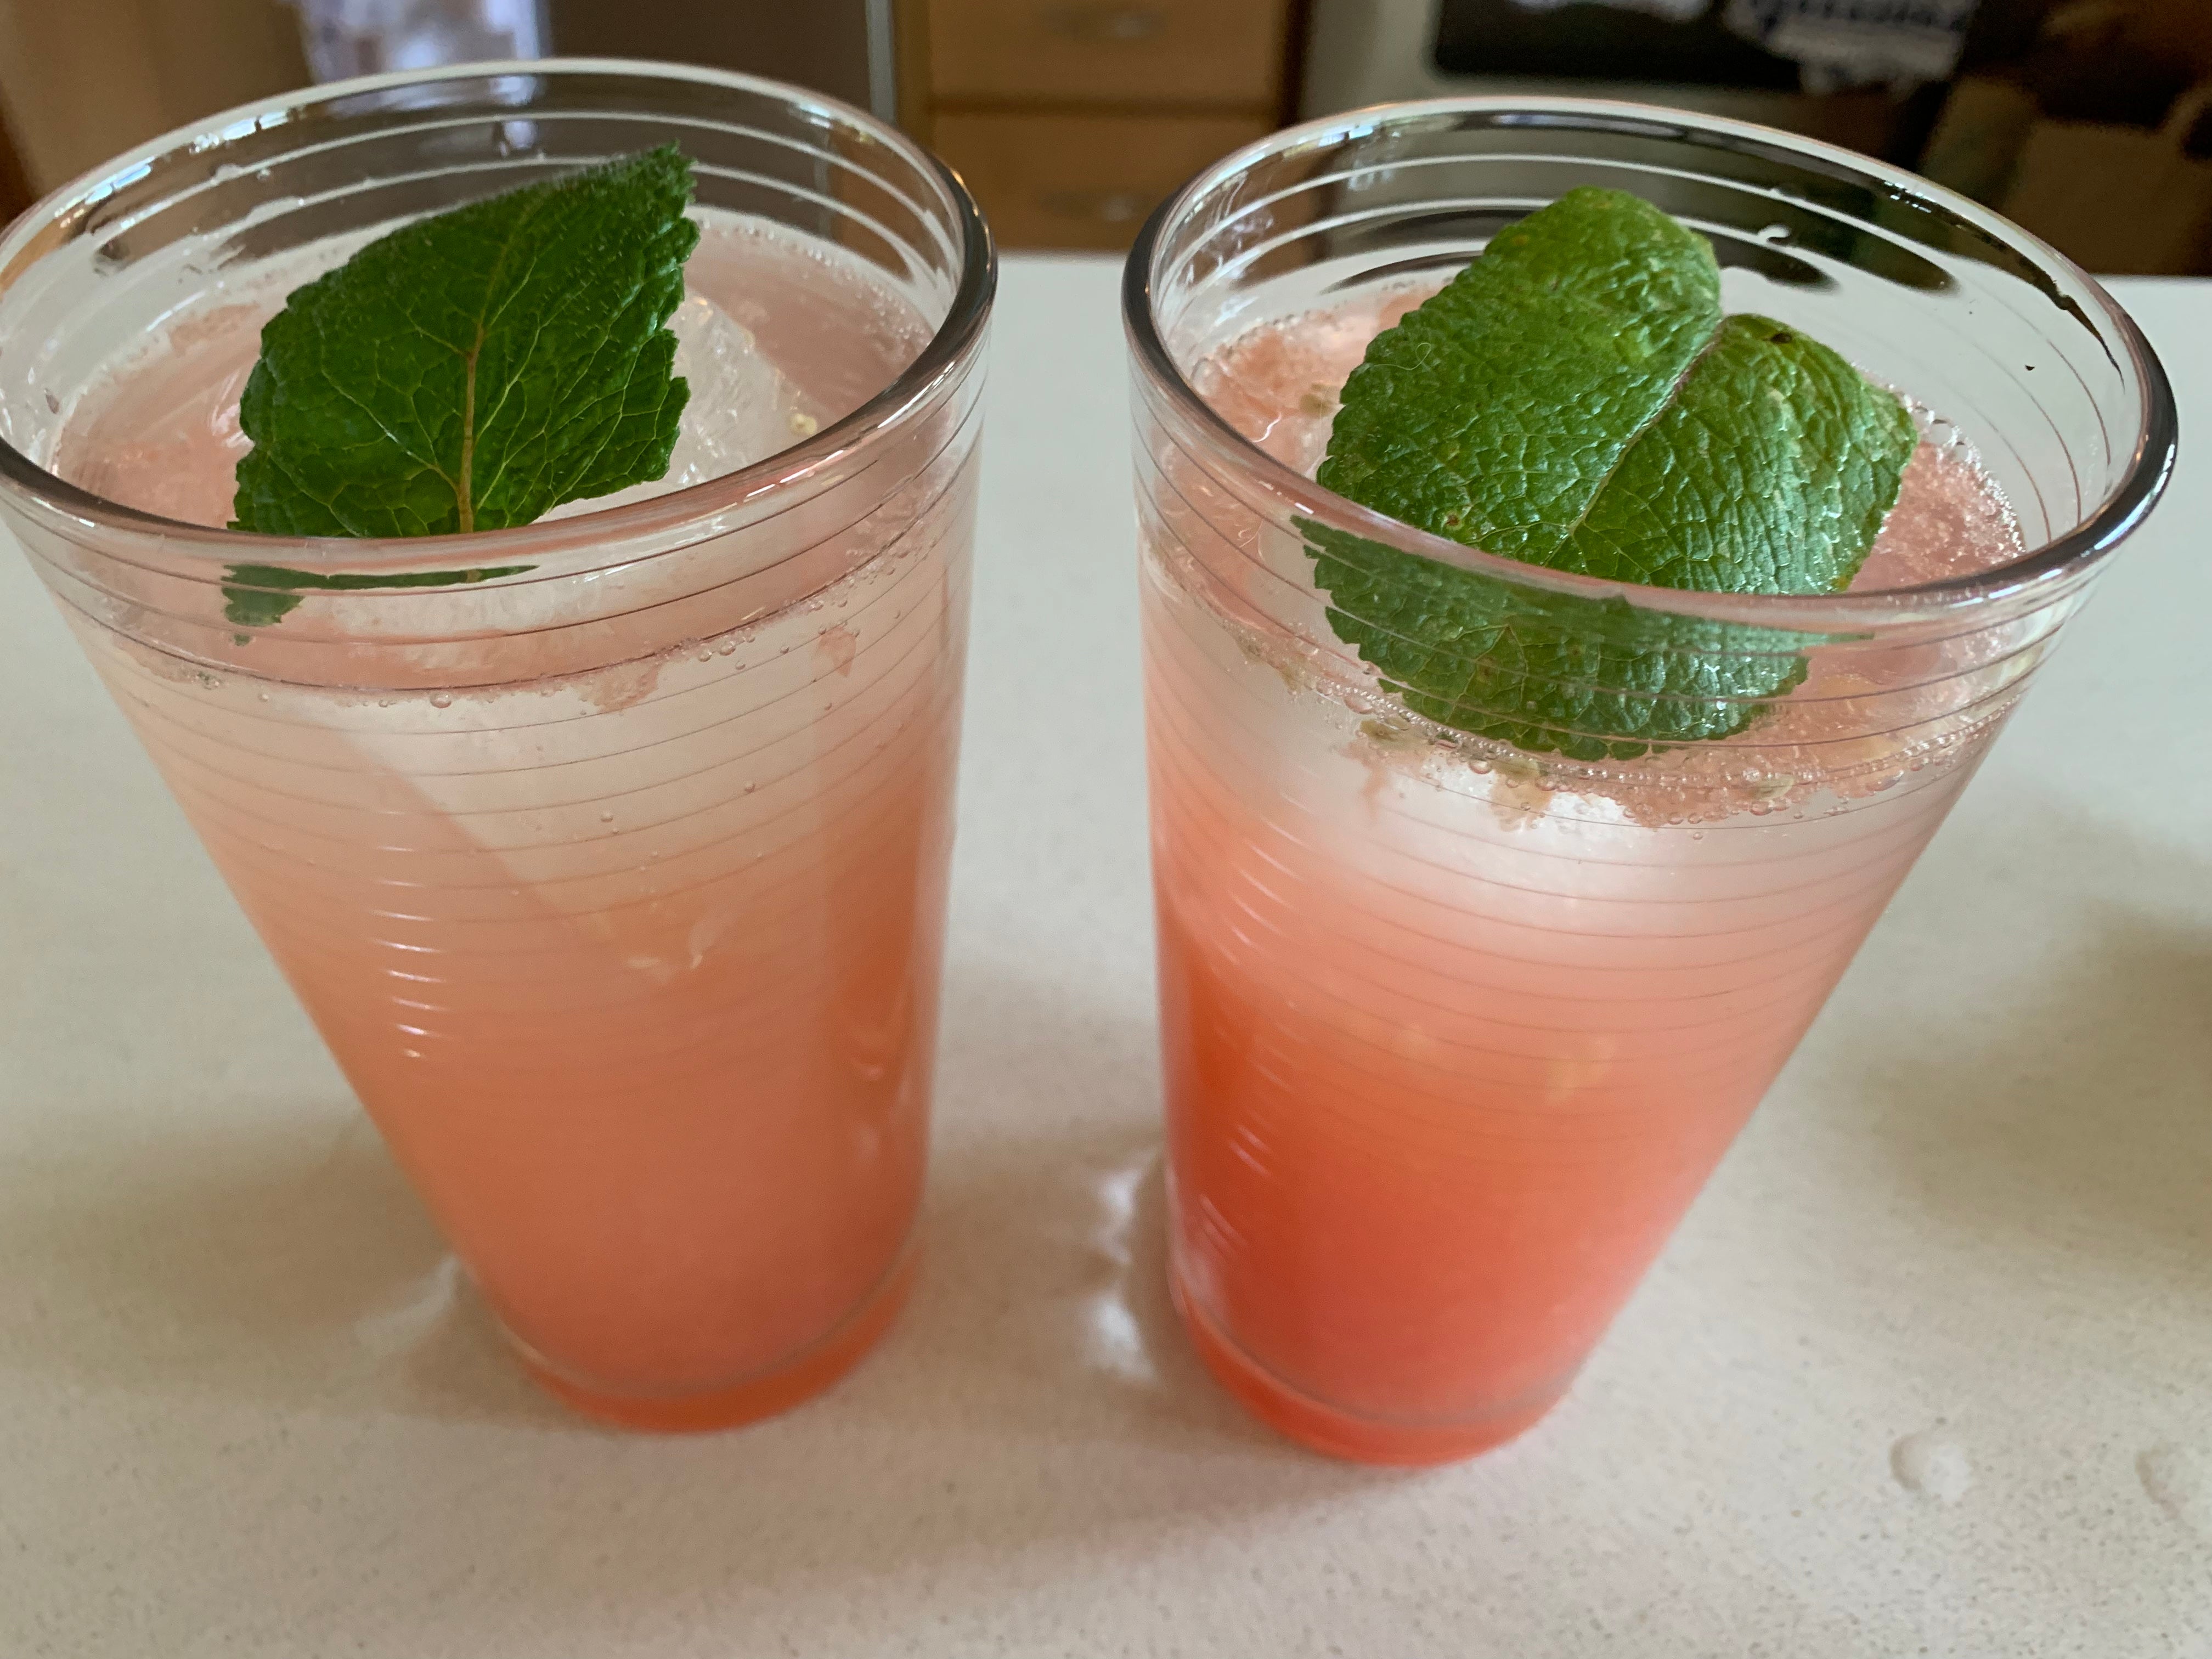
[
  {"x": 616, "y": 886},
  {"x": 1456, "y": 1024}
]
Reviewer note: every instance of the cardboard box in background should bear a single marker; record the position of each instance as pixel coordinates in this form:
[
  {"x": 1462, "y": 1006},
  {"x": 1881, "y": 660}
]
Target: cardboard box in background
[
  {"x": 2099, "y": 141},
  {"x": 2117, "y": 199},
  {"x": 2179, "y": 30}
]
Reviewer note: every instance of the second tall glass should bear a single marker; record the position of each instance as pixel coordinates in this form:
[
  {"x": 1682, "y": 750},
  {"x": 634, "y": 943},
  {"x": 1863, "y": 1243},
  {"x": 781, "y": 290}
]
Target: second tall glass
[
  {"x": 615, "y": 874},
  {"x": 1459, "y": 1012}
]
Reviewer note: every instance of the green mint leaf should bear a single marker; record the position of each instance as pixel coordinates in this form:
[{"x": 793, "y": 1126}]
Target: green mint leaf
[
  {"x": 1575, "y": 399},
  {"x": 1545, "y": 671},
  {"x": 255, "y": 595},
  {"x": 475, "y": 369}
]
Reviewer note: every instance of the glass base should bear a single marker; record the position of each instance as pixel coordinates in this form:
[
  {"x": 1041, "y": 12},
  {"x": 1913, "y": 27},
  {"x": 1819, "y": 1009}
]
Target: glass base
[
  {"x": 765, "y": 1394},
  {"x": 1323, "y": 1428}
]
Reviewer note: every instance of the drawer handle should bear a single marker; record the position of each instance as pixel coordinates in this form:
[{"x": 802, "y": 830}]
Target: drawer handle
[
  {"x": 1120, "y": 24},
  {"x": 1112, "y": 207}
]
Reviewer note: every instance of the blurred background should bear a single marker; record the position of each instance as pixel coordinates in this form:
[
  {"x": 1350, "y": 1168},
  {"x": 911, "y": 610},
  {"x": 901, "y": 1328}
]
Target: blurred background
[{"x": 2090, "y": 121}]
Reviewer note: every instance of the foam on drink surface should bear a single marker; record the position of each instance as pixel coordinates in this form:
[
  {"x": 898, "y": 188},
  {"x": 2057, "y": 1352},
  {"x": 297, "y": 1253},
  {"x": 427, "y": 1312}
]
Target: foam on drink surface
[
  {"x": 160, "y": 430},
  {"x": 1279, "y": 383}
]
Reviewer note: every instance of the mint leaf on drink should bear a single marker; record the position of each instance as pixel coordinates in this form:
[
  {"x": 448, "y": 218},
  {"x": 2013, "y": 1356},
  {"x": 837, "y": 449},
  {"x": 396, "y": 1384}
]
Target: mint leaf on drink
[
  {"x": 477, "y": 368},
  {"x": 1576, "y": 399},
  {"x": 1546, "y": 671}
]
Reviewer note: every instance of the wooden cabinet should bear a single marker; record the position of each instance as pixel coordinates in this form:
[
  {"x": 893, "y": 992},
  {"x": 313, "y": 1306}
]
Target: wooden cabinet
[
  {"x": 82, "y": 80},
  {"x": 1081, "y": 181},
  {"x": 1136, "y": 51},
  {"x": 1071, "y": 119}
]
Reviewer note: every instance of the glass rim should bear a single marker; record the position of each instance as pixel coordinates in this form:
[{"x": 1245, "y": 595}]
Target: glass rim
[
  {"x": 2053, "y": 562},
  {"x": 872, "y": 423}
]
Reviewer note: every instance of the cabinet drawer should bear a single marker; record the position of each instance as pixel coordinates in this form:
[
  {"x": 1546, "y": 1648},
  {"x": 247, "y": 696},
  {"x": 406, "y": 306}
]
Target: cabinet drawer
[
  {"x": 1081, "y": 181},
  {"x": 1166, "y": 51}
]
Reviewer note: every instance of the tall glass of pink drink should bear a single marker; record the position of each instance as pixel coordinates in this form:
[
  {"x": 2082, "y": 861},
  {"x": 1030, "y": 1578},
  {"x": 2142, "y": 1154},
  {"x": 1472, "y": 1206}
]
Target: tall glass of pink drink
[
  {"x": 616, "y": 882},
  {"x": 1455, "y": 1028}
]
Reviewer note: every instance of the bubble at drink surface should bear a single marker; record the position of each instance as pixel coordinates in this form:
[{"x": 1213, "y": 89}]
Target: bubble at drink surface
[
  {"x": 1279, "y": 384},
  {"x": 160, "y": 432},
  {"x": 742, "y": 408}
]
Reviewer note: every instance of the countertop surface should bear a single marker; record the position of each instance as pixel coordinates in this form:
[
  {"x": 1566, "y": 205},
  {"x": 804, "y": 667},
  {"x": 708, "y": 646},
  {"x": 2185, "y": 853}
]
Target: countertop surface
[{"x": 1928, "y": 1369}]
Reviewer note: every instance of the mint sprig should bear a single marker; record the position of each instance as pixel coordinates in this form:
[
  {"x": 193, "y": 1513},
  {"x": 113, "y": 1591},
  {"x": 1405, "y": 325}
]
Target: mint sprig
[
  {"x": 1575, "y": 399},
  {"x": 470, "y": 371}
]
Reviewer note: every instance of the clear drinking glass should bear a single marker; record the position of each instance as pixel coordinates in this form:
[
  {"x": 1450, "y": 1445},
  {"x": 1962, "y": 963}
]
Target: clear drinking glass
[
  {"x": 615, "y": 877},
  {"x": 1455, "y": 1030}
]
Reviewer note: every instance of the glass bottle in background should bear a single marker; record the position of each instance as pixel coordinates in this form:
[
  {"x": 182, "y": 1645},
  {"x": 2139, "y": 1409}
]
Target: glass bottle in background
[
  {"x": 1454, "y": 1031},
  {"x": 615, "y": 881},
  {"x": 343, "y": 39}
]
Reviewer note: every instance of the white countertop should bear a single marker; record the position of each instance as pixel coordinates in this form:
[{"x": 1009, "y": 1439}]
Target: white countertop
[{"x": 1928, "y": 1369}]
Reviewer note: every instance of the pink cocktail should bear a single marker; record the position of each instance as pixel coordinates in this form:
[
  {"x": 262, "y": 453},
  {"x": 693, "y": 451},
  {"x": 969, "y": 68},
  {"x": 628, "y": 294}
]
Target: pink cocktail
[
  {"x": 1454, "y": 1030},
  {"x": 617, "y": 883}
]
